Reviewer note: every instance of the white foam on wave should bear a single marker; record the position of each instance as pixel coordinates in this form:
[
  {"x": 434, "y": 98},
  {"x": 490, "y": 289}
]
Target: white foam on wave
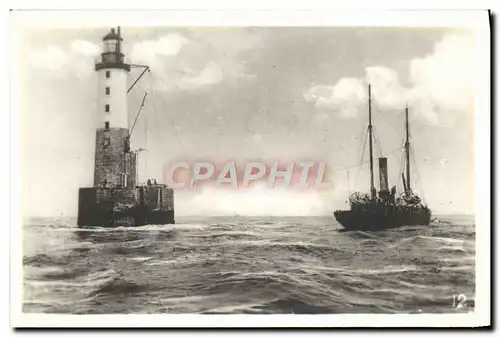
[
  {"x": 102, "y": 273},
  {"x": 458, "y": 268},
  {"x": 237, "y": 308},
  {"x": 167, "y": 227},
  {"x": 140, "y": 259},
  {"x": 80, "y": 244},
  {"x": 441, "y": 239},
  {"x": 448, "y": 242},
  {"x": 451, "y": 249},
  {"x": 432, "y": 287},
  {"x": 43, "y": 284},
  {"x": 463, "y": 259},
  {"x": 163, "y": 262},
  {"x": 188, "y": 299},
  {"x": 99, "y": 278},
  {"x": 92, "y": 280},
  {"x": 366, "y": 235},
  {"x": 228, "y": 233},
  {"x": 386, "y": 270},
  {"x": 370, "y": 242}
]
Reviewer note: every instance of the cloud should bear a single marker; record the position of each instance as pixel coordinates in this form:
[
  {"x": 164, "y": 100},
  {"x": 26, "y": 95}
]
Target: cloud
[
  {"x": 48, "y": 58},
  {"x": 155, "y": 52},
  {"x": 443, "y": 82},
  {"x": 211, "y": 74},
  {"x": 189, "y": 59},
  {"x": 440, "y": 85},
  {"x": 345, "y": 97},
  {"x": 77, "y": 59},
  {"x": 195, "y": 59},
  {"x": 86, "y": 48},
  {"x": 386, "y": 89}
]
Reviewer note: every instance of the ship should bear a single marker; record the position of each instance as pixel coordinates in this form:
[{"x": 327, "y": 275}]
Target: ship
[
  {"x": 384, "y": 210},
  {"x": 117, "y": 198}
]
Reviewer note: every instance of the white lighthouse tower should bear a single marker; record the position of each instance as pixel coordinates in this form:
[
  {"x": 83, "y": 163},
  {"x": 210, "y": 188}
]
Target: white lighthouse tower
[
  {"x": 115, "y": 165},
  {"x": 112, "y": 73}
]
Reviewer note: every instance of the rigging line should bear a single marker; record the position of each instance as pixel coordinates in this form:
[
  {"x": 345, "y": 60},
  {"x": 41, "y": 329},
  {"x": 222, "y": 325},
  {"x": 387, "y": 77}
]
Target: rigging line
[
  {"x": 419, "y": 182},
  {"x": 143, "y": 90},
  {"x": 362, "y": 154},
  {"x": 146, "y": 68},
  {"x": 150, "y": 75},
  {"x": 137, "y": 84},
  {"x": 364, "y": 163},
  {"x": 377, "y": 142},
  {"x": 421, "y": 127},
  {"x": 387, "y": 118},
  {"x": 169, "y": 119},
  {"x": 146, "y": 146},
  {"x": 155, "y": 112},
  {"x": 362, "y": 143},
  {"x": 356, "y": 173},
  {"x": 401, "y": 164},
  {"x": 138, "y": 113}
]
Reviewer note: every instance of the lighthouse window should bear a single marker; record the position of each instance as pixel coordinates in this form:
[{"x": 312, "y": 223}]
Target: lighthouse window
[
  {"x": 107, "y": 90},
  {"x": 106, "y": 108},
  {"x": 110, "y": 46},
  {"x": 106, "y": 125},
  {"x": 108, "y": 74}
]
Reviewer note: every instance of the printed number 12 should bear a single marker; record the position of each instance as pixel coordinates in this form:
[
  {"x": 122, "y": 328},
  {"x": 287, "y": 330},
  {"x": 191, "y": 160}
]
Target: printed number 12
[{"x": 459, "y": 301}]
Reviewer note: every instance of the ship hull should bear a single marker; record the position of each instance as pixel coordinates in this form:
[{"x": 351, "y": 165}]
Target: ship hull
[
  {"x": 125, "y": 207},
  {"x": 374, "y": 220}
]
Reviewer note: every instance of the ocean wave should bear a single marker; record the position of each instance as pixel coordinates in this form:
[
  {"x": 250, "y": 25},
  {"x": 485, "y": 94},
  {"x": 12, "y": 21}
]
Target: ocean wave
[
  {"x": 362, "y": 235},
  {"x": 457, "y": 268},
  {"x": 119, "y": 287},
  {"x": 441, "y": 239},
  {"x": 384, "y": 270},
  {"x": 288, "y": 305},
  {"x": 52, "y": 283},
  {"x": 43, "y": 259},
  {"x": 451, "y": 249},
  {"x": 140, "y": 259},
  {"x": 146, "y": 228},
  {"x": 463, "y": 259}
]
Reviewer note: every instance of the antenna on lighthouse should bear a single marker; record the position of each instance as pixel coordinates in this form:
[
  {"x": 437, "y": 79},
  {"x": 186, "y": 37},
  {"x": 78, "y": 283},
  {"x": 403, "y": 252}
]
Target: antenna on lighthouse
[{"x": 119, "y": 46}]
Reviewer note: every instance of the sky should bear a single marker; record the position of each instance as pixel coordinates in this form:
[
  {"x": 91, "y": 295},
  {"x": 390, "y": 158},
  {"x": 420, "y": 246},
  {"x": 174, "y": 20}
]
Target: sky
[{"x": 255, "y": 94}]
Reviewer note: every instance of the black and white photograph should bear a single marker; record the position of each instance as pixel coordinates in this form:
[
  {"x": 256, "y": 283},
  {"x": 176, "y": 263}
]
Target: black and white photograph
[{"x": 302, "y": 169}]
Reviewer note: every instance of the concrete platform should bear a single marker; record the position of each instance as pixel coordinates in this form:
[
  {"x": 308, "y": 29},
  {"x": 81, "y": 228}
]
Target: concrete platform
[{"x": 134, "y": 206}]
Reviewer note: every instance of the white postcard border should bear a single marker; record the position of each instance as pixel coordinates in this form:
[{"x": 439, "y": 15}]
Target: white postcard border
[{"x": 476, "y": 20}]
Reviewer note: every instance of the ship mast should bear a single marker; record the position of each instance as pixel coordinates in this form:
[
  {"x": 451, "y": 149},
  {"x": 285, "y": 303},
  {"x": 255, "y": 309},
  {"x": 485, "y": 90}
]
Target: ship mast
[
  {"x": 370, "y": 131},
  {"x": 407, "y": 150}
]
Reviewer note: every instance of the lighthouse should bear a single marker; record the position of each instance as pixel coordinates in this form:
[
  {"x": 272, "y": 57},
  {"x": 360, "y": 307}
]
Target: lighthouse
[{"x": 117, "y": 198}]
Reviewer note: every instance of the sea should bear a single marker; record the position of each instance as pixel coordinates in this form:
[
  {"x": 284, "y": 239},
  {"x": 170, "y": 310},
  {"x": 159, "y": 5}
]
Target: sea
[{"x": 248, "y": 265}]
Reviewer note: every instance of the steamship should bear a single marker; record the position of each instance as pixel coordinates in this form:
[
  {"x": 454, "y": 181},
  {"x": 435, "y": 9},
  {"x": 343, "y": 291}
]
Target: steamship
[
  {"x": 371, "y": 212},
  {"x": 117, "y": 198}
]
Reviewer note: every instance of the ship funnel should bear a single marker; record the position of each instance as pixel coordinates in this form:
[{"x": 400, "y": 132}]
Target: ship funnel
[{"x": 382, "y": 166}]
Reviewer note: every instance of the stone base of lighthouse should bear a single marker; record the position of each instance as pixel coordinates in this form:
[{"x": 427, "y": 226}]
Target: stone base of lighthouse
[{"x": 134, "y": 206}]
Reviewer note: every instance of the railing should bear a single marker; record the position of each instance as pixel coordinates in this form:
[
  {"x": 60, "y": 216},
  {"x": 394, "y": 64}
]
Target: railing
[{"x": 111, "y": 58}]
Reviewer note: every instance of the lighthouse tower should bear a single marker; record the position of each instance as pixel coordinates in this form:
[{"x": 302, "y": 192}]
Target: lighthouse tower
[
  {"x": 116, "y": 199},
  {"x": 115, "y": 165}
]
